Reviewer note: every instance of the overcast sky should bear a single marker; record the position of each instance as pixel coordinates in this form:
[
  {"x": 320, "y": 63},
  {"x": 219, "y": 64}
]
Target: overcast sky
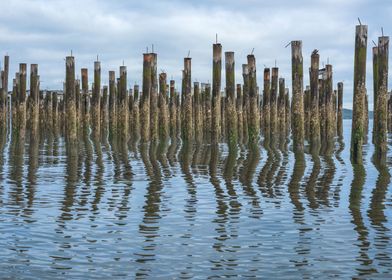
[{"x": 44, "y": 32}]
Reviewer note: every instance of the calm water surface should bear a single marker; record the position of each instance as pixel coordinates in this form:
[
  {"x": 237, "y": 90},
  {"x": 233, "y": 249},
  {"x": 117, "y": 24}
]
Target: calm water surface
[{"x": 123, "y": 210}]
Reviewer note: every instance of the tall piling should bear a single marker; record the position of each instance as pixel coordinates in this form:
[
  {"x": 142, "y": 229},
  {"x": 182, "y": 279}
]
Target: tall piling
[
  {"x": 231, "y": 112},
  {"x": 358, "y": 125},
  {"x": 70, "y": 98},
  {"x": 216, "y": 87},
  {"x": 339, "y": 123},
  {"x": 381, "y": 111},
  {"x": 85, "y": 97},
  {"x": 253, "y": 125},
  {"x": 96, "y": 99},
  {"x": 123, "y": 116},
  {"x": 282, "y": 106},
  {"x": 375, "y": 89},
  {"x": 145, "y": 98},
  {"x": 297, "y": 120},
  {"x": 240, "y": 116},
  {"x": 164, "y": 132},
  {"x": 197, "y": 108},
  {"x": 266, "y": 120},
  {"x": 274, "y": 101},
  {"x": 112, "y": 102},
  {"x": 330, "y": 123},
  {"x": 314, "y": 122},
  {"x": 246, "y": 104},
  {"x": 154, "y": 98},
  {"x": 173, "y": 109},
  {"x": 187, "y": 121}
]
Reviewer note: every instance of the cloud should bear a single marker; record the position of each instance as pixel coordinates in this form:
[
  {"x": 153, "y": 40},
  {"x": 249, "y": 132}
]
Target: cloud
[{"x": 44, "y": 32}]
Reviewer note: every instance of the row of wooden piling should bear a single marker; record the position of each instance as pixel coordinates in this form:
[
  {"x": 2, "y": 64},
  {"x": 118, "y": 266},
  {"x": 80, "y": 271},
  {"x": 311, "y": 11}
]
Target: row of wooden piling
[{"x": 201, "y": 111}]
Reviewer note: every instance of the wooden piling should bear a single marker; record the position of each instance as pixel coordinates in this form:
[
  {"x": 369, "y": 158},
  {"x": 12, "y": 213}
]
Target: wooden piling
[
  {"x": 216, "y": 87},
  {"x": 297, "y": 120},
  {"x": 375, "y": 89},
  {"x": 70, "y": 98},
  {"x": 231, "y": 113},
  {"x": 266, "y": 102},
  {"x": 123, "y": 116},
  {"x": 314, "y": 121},
  {"x": 34, "y": 96},
  {"x": 164, "y": 132},
  {"x": 274, "y": 101},
  {"x": 154, "y": 98},
  {"x": 358, "y": 125},
  {"x": 208, "y": 113},
  {"x": 282, "y": 106},
  {"x": 381, "y": 111},
  {"x": 96, "y": 99},
  {"x": 240, "y": 116},
  {"x": 187, "y": 129},
  {"x": 135, "y": 111},
  {"x": 246, "y": 104},
  {"x": 85, "y": 97},
  {"x": 197, "y": 108},
  {"x": 253, "y": 125},
  {"x": 112, "y": 102},
  {"x": 105, "y": 109},
  {"x": 145, "y": 98},
  {"x": 173, "y": 109},
  {"x": 340, "y": 110},
  {"x": 330, "y": 123}
]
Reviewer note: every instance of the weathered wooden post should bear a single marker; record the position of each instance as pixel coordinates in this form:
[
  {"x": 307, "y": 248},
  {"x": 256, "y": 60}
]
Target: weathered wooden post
[
  {"x": 122, "y": 122},
  {"x": 216, "y": 87},
  {"x": 381, "y": 112},
  {"x": 240, "y": 116},
  {"x": 340, "y": 110},
  {"x": 223, "y": 116},
  {"x": 314, "y": 123},
  {"x": 70, "y": 98},
  {"x": 390, "y": 111},
  {"x": 231, "y": 114},
  {"x": 96, "y": 99},
  {"x": 135, "y": 112},
  {"x": 85, "y": 97},
  {"x": 330, "y": 123},
  {"x": 287, "y": 111},
  {"x": 253, "y": 125},
  {"x": 306, "y": 111},
  {"x": 297, "y": 121},
  {"x": 187, "y": 132},
  {"x": 282, "y": 106},
  {"x": 164, "y": 132},
  {"x": 246, "y": 104},
  {"x": 105, "y": 109},
  {"x": 173, "y": 109},
  {"x": 358, "y": 125},
  {"x": 20, "y": 112},
  {"x": 274, "y": 101},
  {"x": 154, "y": 99},
  {"x": 375, "y": 89},
  {"x": 53, "y": 109},
  {"x": 112, "y": 102},
  {"x": 197, "y": 107},
  {"x": 4, "y": 90},
  {"x": 145, "y": 98},
  {"x": 266, "y": 120},
  {"x": 208, "y": 112},
  {"x": 34, "y": 96}
]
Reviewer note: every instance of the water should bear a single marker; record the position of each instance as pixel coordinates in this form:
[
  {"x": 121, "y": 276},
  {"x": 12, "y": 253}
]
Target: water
[{"x": 127, "y": 211}]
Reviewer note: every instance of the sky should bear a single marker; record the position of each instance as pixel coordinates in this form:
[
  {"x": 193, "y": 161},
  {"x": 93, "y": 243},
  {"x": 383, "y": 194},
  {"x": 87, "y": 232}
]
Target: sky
[{"x": 119, "y": 31}]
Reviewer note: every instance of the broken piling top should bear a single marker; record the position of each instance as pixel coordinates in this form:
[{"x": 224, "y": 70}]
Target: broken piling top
[{"x": 217, "y": 52}]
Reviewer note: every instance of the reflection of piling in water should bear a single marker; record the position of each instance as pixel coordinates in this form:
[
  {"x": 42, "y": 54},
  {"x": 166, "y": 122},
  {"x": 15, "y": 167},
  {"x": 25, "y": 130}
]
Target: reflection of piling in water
[
  {"x": 358, "y": 121},
  {"x": 381, "y": 111}
]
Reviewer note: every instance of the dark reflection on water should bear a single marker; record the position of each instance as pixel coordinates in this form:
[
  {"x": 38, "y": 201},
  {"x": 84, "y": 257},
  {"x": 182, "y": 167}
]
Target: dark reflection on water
[{"x": 101, "y": 207}]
